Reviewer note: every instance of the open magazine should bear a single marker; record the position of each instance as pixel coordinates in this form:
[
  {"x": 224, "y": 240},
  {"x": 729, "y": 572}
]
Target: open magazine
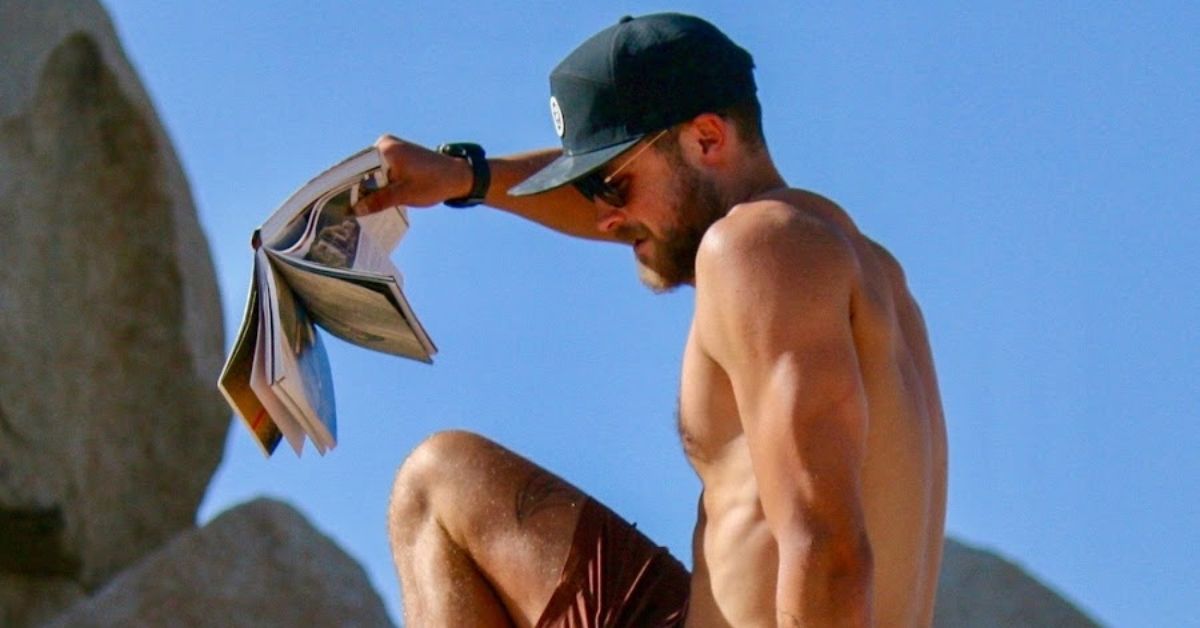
[{"x": 317, "y": 264}]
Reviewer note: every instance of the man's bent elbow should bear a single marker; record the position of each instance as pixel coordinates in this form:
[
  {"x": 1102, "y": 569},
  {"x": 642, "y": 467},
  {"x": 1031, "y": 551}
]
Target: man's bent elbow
[
  {"x": 827, "y": 580},
  {"x": 851, "y": 582}
]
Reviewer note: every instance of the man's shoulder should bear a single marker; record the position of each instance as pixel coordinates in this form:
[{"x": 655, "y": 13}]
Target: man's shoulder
[
  {"x": 769, "y": 266},
  {"x": 785, "y": 231}
]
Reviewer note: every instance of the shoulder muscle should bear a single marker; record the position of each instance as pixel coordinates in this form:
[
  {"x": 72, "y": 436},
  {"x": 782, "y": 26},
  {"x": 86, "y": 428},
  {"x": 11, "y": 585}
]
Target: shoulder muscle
[{"x": 769, "y": 274}]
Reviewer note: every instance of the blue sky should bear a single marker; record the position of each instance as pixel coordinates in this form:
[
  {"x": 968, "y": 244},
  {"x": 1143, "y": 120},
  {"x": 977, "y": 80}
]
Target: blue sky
[{"x": 1035, "y": 169}]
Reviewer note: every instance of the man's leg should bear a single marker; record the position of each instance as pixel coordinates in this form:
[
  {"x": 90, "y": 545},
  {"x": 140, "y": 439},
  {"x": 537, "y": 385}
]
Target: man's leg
[{"x": 479, "y": 534}]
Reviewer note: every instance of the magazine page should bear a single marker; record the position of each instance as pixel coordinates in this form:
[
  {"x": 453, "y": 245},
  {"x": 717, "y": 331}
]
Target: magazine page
[
  {"x": 280, "y": 228},
  {"x": 270, "y": 365},
  {"x": 235, "y": 379},
  {"x": 366, "y": 309},
  {"x": 299, "y": 366},
  {"x": 292, "y": 226},
  {"x": 261, "y": 377},
  {"x": 337, "y": 238},
  {"x": 383, "y": 228}
]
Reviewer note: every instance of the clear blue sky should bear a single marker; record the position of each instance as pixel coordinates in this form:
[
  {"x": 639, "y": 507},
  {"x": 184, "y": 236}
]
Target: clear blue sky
[{"x": 1034, "y": 168}]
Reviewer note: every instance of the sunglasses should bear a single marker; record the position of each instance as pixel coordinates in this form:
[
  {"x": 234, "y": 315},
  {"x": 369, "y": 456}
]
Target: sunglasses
[{"x": 595, "y": 186}]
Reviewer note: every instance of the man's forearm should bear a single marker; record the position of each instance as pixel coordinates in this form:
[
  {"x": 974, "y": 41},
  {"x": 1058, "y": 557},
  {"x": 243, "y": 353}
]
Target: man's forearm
[
  {"x": 422, "y": 177},
  {"x": 563, "y": 209}
]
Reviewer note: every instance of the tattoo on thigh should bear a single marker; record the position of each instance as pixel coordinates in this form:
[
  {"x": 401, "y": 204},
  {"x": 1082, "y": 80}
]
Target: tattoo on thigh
[
  {"x": 788, "y": 619},
  {"x": 542, "y": 491}
]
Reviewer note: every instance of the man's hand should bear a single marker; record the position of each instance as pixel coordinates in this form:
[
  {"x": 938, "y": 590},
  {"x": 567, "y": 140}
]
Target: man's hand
[{"x": 417, "y": 177}]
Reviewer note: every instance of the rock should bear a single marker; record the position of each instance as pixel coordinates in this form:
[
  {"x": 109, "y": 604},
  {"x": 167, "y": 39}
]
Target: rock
[
  {"x": 26, "y": 601},
  {"x": 259, "y": 564},
  {"x": 979, "y": 589},
  {"x": 110, "y": 320}
]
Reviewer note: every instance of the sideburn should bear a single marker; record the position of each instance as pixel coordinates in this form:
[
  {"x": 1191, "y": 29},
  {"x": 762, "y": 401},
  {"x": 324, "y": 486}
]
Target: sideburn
[{"x": 698, "y": 204}]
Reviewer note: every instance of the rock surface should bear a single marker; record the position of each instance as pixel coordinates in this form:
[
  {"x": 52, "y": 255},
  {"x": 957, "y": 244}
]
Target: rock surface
[
  {"x": 259, "y": 564},
  {"x": 26, "y": 601},
  {"x": 979, "y": 589},
  {"x": 110, "y": 322}
]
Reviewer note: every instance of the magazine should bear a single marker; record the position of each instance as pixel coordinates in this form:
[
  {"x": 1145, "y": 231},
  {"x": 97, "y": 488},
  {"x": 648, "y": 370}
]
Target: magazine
[{"x": 316, "y": 264}]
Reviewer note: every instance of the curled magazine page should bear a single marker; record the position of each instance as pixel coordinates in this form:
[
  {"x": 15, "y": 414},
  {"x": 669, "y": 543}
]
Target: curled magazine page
[
  {"x": 363, "y": 308},
  {"x": 259, "y": 378},
  {"x": 291, "y": 233},
  {"x": 385, "y": 228},
  {"x": 301, "y": 376},
  {"x": 325, "y": 230},
  {"x": 337, "y": 238},
  {"x": 328, "y": 211},
  {"x": 279, "y": 230},
  {"x": 235, "y": 380}
]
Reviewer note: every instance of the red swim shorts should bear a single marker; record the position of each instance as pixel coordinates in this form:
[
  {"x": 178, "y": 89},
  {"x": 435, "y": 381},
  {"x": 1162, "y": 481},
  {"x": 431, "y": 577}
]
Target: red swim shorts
[{"x": 616, "y": 577}]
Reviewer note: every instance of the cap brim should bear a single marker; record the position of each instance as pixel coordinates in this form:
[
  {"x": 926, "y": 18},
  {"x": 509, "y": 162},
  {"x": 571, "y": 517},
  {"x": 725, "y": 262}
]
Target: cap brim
[{"x": 567, "y": 168}]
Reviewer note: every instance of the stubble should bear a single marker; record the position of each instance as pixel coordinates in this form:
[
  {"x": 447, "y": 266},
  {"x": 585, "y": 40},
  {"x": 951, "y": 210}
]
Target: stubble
[{"x": 697, "y": 204}]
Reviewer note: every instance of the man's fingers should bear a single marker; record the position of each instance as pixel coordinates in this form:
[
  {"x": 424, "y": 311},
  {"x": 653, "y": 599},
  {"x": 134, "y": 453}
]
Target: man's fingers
[
  {"x": 416, "y": 177},
  {"x": 375, "y": 201},
  {"x": 386, "y": 138}
]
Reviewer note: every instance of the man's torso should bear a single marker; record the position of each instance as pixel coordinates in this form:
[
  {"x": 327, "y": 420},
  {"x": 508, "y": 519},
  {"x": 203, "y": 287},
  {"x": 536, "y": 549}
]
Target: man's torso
[{"x": 904, "y": 474}]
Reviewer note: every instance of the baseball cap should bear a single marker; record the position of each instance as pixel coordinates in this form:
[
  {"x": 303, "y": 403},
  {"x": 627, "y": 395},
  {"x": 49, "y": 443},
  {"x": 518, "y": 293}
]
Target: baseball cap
[{"x": 639, "y": 76}]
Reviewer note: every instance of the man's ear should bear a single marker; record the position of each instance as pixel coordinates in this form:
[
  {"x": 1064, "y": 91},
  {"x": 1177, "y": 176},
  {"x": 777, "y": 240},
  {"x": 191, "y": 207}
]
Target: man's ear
[{"x": 708, "y": 136}]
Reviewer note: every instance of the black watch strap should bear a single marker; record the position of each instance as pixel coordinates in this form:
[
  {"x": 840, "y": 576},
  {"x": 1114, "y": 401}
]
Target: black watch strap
[{"x": 482, "y": 174}]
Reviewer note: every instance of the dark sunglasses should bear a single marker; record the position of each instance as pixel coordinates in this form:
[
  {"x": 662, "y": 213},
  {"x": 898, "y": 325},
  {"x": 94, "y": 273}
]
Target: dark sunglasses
[{"x": 595, "y": 185}]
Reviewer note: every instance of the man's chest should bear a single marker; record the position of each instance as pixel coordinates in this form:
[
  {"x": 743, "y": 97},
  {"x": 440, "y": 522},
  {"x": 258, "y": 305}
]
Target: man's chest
[{"x": 708, "y": 415}]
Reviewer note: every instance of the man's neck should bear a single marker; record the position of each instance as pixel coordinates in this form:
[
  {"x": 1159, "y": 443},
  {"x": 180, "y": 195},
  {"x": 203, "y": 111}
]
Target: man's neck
[{"x": 754, "y": 177}]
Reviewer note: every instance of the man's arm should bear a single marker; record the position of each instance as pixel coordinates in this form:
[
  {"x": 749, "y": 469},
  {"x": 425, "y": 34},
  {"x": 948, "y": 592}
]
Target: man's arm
[
  {"x": 419, "y": 177},
  {"x": 773, "y": 309}
]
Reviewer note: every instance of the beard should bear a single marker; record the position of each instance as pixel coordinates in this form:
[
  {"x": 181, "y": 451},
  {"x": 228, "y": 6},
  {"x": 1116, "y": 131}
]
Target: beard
[{"x": 698, "y": 205}]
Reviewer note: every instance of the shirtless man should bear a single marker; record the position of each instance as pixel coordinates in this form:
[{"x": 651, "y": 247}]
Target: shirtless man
[{"x": 809, "y": 406}]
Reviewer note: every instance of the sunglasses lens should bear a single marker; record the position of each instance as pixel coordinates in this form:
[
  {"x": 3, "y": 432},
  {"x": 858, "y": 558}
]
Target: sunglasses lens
[
  {"x": 586, "y": 186},
  {"x": 593, "y": 186},
  {"x": 610, "y": 195}
]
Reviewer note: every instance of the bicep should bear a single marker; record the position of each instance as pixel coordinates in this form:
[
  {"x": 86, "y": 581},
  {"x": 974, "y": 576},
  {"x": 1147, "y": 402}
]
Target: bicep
[{"x": 804, "y": 416}]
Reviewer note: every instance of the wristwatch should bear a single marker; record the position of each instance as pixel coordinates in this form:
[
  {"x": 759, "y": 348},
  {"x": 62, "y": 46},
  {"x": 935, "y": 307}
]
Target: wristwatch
[{"x": 482, "y": 174}]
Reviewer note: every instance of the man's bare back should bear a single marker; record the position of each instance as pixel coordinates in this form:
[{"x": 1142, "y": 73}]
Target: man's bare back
[{"x": 904, "y": 473}]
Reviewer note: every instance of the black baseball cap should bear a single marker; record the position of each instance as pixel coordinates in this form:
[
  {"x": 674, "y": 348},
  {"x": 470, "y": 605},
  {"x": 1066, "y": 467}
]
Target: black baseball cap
[{"x": 639, "y": 76}]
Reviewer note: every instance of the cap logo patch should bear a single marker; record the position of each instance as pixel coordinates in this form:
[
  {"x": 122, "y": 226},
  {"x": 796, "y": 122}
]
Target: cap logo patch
[{"x": 560, "y": 126}]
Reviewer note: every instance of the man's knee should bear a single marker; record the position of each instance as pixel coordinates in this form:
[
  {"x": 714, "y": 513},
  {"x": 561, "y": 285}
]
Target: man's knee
[{"x": 429, "y": 470}]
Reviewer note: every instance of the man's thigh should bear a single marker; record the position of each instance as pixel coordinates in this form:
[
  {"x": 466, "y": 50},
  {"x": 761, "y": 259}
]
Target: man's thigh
[{"x": 516, "y": 520}]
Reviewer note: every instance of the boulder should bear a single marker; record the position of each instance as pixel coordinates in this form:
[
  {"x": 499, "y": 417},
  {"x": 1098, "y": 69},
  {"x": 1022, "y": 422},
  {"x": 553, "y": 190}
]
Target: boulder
[
  {"x": 979, "y": 589},
  {"x": 259, "y": 564},
  {"x": 26, "y": 601},
  {"x": 110, "y": 320}
]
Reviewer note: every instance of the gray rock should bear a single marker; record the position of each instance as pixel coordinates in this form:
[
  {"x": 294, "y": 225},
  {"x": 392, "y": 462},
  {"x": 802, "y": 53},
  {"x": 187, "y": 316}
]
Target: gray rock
[
  {"x": 259, "y": 564},
  {"x": 110, "y": 323},
  {"x": 979, "y": 589},
  {"x": 26, "y": 601}
]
